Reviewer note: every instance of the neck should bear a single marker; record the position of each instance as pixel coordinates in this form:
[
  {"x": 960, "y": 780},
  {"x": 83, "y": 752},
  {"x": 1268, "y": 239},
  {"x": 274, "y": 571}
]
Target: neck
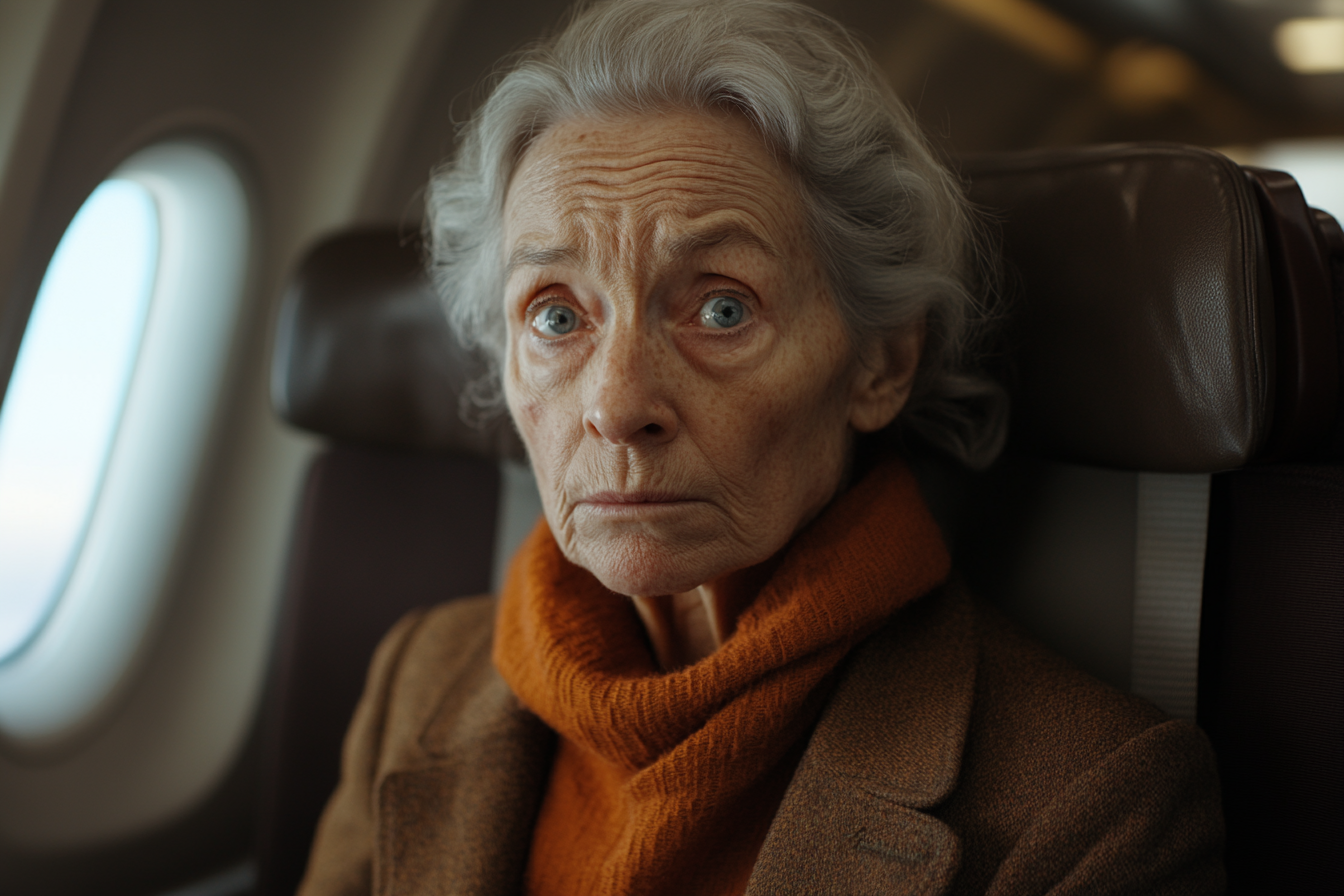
[{"x": 685, "y": 628}]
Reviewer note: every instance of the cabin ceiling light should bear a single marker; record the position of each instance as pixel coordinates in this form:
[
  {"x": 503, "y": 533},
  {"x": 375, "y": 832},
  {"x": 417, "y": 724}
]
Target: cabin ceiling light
[
  {"x": 1143, "y": 78},
  {"x": 1032, "y": 28},
  {"x": 1311, "y": 46}
]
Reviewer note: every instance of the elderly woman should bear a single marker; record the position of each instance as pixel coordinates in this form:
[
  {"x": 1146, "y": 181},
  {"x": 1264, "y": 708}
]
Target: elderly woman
[{"x": 710, "y": 254}]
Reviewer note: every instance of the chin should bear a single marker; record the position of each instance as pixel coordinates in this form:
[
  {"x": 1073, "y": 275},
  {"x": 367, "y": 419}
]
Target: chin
[{"x": 639, "y": 567}]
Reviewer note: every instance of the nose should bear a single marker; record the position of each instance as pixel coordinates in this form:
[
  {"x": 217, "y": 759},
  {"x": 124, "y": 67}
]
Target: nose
[{"x": 627, "y": 400}]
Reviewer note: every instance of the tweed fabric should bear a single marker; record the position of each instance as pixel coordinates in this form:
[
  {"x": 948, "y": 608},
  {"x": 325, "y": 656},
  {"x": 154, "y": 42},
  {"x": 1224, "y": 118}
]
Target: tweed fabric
[
  {"x": 954, "y": 756},
  {"x": 665, "y": 783}
]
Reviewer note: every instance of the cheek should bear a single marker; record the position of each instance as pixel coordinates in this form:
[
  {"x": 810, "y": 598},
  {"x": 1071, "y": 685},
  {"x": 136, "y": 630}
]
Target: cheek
[
  {"x": 801, "y": 416},
  {"x": 809, "y": 381},
  {"x": 543, "y": 399},
  {"x": 530, "y": 407},
  {"x": 527, "y": 405},
  {"x": 534, "y": 385}
]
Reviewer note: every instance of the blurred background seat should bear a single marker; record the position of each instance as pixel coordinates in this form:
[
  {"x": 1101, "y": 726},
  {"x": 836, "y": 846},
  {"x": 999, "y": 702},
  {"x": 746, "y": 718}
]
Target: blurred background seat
[{"x": 1169, "y": 513}]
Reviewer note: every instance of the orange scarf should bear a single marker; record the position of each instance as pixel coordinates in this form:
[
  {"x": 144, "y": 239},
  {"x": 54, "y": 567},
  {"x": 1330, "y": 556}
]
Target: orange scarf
[{"x": 667, "y": 782}]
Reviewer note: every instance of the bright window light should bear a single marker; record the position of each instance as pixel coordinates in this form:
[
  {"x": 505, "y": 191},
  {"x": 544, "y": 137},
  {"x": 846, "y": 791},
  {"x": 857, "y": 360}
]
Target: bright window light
[
  {"x": 65, "y": 398},
  {"x": 1317, "y": 165},
  {"x": 123, "y": 392},
  {"x": 1311, "y": 46},
  {"x": 86, "y": 757}
]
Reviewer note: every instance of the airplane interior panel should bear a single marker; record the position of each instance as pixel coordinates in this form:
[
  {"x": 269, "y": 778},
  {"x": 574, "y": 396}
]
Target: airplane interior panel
[{"x": 271, "y": 444}]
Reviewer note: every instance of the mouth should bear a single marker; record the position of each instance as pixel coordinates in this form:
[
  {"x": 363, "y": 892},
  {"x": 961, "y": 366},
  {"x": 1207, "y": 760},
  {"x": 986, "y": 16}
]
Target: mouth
[
  {"x": 632, "y": 498},
  {"x": 633, "y": 503}
]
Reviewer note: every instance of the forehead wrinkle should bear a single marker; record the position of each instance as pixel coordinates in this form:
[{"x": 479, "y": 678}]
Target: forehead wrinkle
[
  {"x": 689, "y": 192},
  {"x": 667, "y": 217},
  {"x": 578, "y": 244},
  {"x": 590, "y": 169},
  {"x": 611, "y": 201},
  {"x": 621, "y": 162},
  {"x": 661, "y": 241}
]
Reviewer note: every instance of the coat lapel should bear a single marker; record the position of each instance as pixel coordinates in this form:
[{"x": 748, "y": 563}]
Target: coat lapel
[
  {"x": 888, "y": 746},
  {"x": 461, "y": 823}
]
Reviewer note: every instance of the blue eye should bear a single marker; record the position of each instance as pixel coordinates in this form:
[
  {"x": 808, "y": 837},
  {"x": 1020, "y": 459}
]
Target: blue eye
[
  {"x": 555, "y": 320},
  {"x": 723, "y": 312}
]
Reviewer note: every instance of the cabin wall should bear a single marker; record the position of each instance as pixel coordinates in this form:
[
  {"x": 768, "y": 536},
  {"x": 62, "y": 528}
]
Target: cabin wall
[
  {"x": 336, "y": 111},
  {"x": 313, "y": 100}
]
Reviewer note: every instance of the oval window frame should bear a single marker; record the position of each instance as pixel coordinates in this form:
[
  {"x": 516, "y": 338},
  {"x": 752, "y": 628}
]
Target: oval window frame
[
  {"x": 111, "y": 220},
  {"x": 74, "y": 666}
]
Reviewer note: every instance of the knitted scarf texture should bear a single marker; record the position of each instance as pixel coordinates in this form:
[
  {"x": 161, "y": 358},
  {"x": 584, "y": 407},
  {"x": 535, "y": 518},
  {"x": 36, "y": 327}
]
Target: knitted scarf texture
[{"x": 666, "y": 783}]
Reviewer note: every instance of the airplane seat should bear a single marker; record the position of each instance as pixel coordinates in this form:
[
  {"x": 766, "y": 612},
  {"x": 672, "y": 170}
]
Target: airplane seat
[
  {"x": 398, "y": 511},
  {"x": 1175, "y": 315},
  {"x": 1271, "y": 674},
  {"x": 1169, "y": 512}
]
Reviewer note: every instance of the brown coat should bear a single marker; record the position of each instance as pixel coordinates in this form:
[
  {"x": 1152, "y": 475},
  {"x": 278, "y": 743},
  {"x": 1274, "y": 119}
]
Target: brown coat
[{"x": 955, "y": 756}]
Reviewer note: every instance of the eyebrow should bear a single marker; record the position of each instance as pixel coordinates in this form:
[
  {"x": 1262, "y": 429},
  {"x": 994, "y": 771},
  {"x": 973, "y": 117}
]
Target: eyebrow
[
  {"x": 720, "y": 235},
  {"x": 531, "y": 255}
]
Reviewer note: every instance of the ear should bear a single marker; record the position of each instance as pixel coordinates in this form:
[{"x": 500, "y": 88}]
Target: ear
[{"x": 884, "y": 378}]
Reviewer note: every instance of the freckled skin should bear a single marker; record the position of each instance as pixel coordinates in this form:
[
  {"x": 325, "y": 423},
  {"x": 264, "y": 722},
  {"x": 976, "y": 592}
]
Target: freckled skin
[{"x": 738, "y": 436}]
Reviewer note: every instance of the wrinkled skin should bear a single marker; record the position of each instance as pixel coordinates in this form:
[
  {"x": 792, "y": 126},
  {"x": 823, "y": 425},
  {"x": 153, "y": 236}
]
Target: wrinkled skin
[{"x": 674, "y": 450}]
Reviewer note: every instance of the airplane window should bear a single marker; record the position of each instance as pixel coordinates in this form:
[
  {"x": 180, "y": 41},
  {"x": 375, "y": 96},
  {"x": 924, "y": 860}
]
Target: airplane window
[
  {"x": 1311, "y": 46},
  {"x": 105, "y": 431},
  {"x": 1316, "y": 165},
  {"x": 65, "y": 397}
]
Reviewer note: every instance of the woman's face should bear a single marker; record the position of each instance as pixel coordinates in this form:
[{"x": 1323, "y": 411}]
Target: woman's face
[{"x": 680, "y": 374}]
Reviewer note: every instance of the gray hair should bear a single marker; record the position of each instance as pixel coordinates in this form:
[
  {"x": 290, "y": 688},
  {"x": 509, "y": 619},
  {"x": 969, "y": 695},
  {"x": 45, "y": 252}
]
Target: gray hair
[{"x": 890, "y": 224}]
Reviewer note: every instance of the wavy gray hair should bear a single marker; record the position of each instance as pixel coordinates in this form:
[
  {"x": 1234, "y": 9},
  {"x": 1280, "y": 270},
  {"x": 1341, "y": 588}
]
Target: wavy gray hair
[{"x": 889, "y": 223}]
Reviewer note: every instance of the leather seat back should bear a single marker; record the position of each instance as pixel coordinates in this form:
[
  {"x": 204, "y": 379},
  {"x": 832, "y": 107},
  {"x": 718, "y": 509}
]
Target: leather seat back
[{"x": 1172, "y": 333}]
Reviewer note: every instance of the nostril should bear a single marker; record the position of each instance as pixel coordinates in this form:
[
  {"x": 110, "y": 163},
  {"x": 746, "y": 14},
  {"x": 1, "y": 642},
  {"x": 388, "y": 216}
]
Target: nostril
[{"x": 619, "y": 420}]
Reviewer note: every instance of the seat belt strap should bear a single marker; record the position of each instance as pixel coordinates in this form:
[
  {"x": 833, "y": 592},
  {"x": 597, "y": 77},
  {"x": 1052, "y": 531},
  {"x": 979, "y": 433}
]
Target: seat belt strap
[{"x": 1173, "y": 518}]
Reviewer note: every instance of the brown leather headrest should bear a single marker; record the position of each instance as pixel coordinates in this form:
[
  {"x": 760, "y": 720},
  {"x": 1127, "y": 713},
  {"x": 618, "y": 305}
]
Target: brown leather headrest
[
  {"x": 1141, "y": 335},
  {"x": 1143, "y": 327},
  {"x": 363, "y": 352}
]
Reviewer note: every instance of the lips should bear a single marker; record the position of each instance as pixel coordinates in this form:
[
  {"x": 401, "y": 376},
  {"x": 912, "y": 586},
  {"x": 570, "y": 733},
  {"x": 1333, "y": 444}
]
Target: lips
[{"x": 633, "y": 498}]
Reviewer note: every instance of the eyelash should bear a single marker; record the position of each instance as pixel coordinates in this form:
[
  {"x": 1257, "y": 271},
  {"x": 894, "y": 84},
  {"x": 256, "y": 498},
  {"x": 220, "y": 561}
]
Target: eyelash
[
  {"x": 549, "y": 298},
  {"x": 724, "y": 291},
  {"x": 729, "y": 292},
  {"x": 544, "y": 298}
]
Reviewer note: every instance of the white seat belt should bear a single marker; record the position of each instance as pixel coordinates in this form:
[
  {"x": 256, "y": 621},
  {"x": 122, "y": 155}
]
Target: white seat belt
[
  {"x": 1173, "y": 517},
  {"x": 519, "y": 507}
]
